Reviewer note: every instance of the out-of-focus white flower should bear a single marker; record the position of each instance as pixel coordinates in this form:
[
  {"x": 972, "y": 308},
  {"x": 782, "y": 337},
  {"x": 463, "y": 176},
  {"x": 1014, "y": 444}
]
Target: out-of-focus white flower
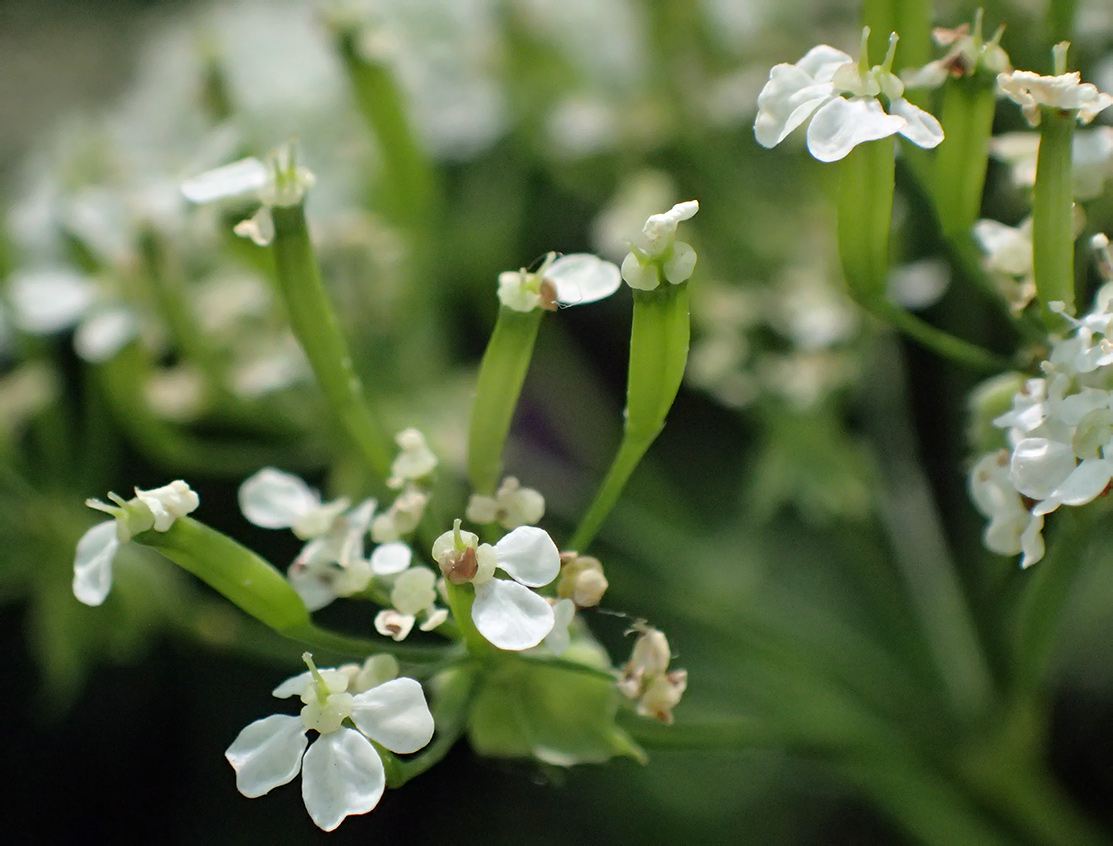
[
  {"x": 1091, "y": 158},
  {"x": 659, "y": 255},
  {"x": 505, "y": 611},
  {"x": 272, "y": 499},
  {"x": 969, "y": 52},
  {"x": 841, "y": 98},
  {"x": 558, "y": 639},
  {"x": 511, "y": 506},
  {"x": 413, "y": 596},
  {"x": 1064, "y": 91},
  {"x": 155, "y": 509},
  {"x": 402, "y": 517},
  {"x": 414, "y": 461},
  {"x": 573, "y": 279},
  {"x": 279, "y": 181},
  {"x": 342, "y": 773},
  {"x": 49, "y": 300},
  {"x": 1012, "y": 530}
]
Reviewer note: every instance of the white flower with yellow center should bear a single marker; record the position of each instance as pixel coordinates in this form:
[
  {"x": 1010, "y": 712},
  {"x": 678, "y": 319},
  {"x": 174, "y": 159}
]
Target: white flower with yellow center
[{"x": 342, "y": 773}]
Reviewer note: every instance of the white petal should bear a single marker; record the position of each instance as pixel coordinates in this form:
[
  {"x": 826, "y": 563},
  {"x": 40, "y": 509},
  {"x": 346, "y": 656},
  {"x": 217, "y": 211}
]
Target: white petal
[
  {"x": 786, "y": 101},
  {"x": 389, "y": 559},
  {"x": 293, "y": 686},
  {"x": 104, "y": 333},
  {"x": 92, "y": 565},
  {"x": 922, "y": 129},
  {"x": 841, "y": 125},
  {"x": 1031, "y": 542},
  {"x": 395, "y": 714},
  {"x": 510, "y": 615},
  {"x": 1088, "y": 480},
  {"x": 529, "y": 555},
  {"x": 246, "y": 176},
  {"x": 312, "y": 585},
  {"x": 267, "y": 753},
  {"x": 583, "y": 278},
  {"x": 46, "y": 301},
  {"x": 643, "y": 277},
  {"x": 259, "y": 227},
  {"x": 342, "y": 774},
  {"x": 679, "y": 268},
  {"x": 1040, "y": 465},
  {"x": 822, "y": 61},
  {"x": 276, "y": 500}
]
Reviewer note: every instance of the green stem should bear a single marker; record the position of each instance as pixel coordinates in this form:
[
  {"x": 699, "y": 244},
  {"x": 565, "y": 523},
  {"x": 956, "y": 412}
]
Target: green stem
[
  {"x": 406, "y": 187},
  {"x": 1060, "y": 20},
  {"x": 659, "y": 336},
  {"x": 316, "y": 328},
  {"x": 960, "y": 161},
  {"x": 361, "y": 647},
  {"x": 1053, "y": 210},
  {"x": 498, "y": 386},
  {"x": 865, "y": 210},
  {"x": 910, "y": 19},
  {"x": 1039, "y": 613},
  {"x": 937, "y": 340}
]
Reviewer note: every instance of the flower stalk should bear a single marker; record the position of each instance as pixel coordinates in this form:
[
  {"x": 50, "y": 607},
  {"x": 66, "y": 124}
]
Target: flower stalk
[
  {"x": 659, "y": 338},
  {"x": 316, "y": 328},
  {"x": 1053, "y": 210}
]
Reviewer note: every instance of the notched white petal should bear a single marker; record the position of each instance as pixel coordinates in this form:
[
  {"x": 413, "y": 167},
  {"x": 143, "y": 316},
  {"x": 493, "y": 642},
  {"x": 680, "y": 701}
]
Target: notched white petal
[
  {"x": 341, "y": 775},
  {"x": 92, "y": 565},
  {"x": 267, "y": 753},
  {"x": 583, "y": 278},
  {"x": 510, "y": 615},
  {"x": 237, "y": 179},
  {"x": 395, "y": 714},
  {"x": 272, "y": 499},
  {"x": 841, "y": 125},
  {"x": 529, "y": 555}
]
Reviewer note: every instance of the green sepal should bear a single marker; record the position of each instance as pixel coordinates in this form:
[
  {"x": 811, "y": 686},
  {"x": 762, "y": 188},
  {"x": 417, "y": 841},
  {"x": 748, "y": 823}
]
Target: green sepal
[
  {"x": 232, "y": 570},
  {"x": 548, "y": 712}
]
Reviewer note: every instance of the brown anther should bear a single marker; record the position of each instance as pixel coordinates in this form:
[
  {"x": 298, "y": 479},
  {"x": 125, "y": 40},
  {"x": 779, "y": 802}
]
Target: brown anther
[
  {"x": 565, "y": 557},
  {"x": 548, "y": 295},
  {"x": 461, "y": 568}
]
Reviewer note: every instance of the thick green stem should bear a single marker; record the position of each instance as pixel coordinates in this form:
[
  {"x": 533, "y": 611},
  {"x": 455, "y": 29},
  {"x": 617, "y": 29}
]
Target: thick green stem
[
  {"x": 910, "y": 19},
  {"x": 865, "y": 210},
  {"x": 659, "y": 337},
  {"x": 1053, "y": 210},
  {"x": 960, "y": 161},
  {"x": 498, "y": 386},
  {"x": 316, "y": 328}
]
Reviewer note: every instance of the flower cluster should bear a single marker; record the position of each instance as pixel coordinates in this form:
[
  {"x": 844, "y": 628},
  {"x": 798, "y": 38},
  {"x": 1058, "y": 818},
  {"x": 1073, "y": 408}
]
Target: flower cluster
[
  {"x": 841, "y": 98},
  {"x": 351, "y": 708},
  {"x": 1060, "y": 431},
  {"x": 155, "y": 509},
  {"x": 1063, "y": 91},
  {"x": 647, "y": 678}
]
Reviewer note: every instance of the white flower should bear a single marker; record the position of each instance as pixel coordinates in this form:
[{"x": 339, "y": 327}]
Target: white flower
[
  {"x": 969, "y": 53},
  {"x": 342, "y": 773},
  {"x": 505, "y": 611},
  {"x": 1063, "y": 91},
  {"x": 573, "y": 279},
  {"x": 1091, "y": 158},
  {"x": 272, "y": 499},
  {"x": 659, "y": 254},
  {"x": 414, "y": 461},
  {"x": 277, "y": 182},
  {"x": 1012, "y": 529},
  {"x": 840, "y": 96},
  {"x": 154, "y": 509},
  {"x": 1008, "y": 259},
  {"x": 511, "y": 506},
  {"x": 333, "y": 564},
  {"x": 414, "y": 596},
  {"x": 402, "y": 517},
  {"x": 50, "y": 300}
]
